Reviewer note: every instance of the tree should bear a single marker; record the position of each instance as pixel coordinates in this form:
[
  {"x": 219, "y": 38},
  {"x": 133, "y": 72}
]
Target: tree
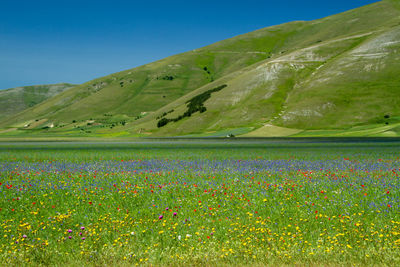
[{"x": 162, "y": 122}]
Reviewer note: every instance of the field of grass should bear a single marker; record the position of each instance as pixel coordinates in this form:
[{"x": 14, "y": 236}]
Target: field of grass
[{"x": 247, "y": 202}]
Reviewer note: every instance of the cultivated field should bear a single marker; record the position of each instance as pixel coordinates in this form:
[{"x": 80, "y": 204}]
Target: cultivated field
[{"x": 203, "y": 202}]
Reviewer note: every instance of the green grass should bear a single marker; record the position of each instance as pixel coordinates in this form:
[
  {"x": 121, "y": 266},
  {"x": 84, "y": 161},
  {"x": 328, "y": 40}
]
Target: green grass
[
  {"x": 203, "y": 202},
  {"x": 15, "y": 100},
  {"x": 269, "y": 130},
  {"x": 223, "y": 133}
]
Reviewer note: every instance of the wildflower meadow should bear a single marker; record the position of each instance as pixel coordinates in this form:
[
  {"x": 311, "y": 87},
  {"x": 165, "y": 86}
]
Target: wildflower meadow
[{"x": 196, "y": 204}]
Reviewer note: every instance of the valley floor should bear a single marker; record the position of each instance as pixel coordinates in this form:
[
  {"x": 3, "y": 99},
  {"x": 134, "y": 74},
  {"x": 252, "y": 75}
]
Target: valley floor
[{"x": 305, "y": 201}]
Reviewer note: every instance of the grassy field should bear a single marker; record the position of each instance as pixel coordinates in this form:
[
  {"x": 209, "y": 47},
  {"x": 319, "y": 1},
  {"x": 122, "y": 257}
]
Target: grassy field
[{"x": 230, "y": 202}]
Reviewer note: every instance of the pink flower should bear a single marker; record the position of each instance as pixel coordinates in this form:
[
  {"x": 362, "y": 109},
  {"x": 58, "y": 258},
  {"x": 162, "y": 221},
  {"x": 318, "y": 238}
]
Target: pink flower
[
  {"x": 160, "y": 217},
  {"x": 69, "y": 231}
]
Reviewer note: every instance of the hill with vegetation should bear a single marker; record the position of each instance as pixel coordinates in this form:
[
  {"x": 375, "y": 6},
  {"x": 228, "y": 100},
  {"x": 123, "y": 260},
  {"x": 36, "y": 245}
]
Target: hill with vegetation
[
  {"x": 336, "y": 76},
  {"x": 18, "y": 99}
]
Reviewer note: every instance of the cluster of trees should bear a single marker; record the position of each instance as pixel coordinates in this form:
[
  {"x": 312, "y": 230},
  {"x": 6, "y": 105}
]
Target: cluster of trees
[
  {"x": 209, "y": 73},
  {"x": 195, "y": 104},
  {"x": 104, "y": 122},
  {"x": 164, "y": 114},
  {"x": 386, "y": 117},
  {"x": 166, "y": 78},
  {"x": 206, "y": 70}
]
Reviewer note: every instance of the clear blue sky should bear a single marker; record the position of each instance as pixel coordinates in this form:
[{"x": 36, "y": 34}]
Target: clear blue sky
[{"x": 51, "y": 41}]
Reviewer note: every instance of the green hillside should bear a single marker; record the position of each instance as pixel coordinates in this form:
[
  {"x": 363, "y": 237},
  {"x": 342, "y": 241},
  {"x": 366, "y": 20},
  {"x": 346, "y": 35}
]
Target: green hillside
[
  {"x": 18, "y": 99},
  {"x": 335, "y": 76}
]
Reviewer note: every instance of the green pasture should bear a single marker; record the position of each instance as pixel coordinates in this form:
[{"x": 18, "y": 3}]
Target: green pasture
[{"x": 203, "y": 201}]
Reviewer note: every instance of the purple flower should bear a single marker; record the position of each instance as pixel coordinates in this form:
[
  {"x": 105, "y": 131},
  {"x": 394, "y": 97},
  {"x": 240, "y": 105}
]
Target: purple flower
[
  {"x": 69, "y": 231},
  {"x": 83, "y": 228},
  {"x": 167, "y": 209},
  {"x": 70, "y": 237},
  {"x": 24, "y": 236},
  {"x": 160, "y": 217},
  {"x": 175, "y": 213},
  {"x": 83, "y": 238}
]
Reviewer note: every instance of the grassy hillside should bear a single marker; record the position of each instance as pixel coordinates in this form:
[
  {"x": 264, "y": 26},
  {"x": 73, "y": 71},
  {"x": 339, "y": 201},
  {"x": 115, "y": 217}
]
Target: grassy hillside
[
  {"x": 18, "y": 99},
  {"x": 348, "y": 80},
  {"x": 325, "y": 77}
]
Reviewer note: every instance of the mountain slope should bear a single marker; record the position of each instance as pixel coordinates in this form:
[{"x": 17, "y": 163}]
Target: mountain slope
[
  {"x": 332, "y": 74},
  {"x": 154, "y": 85},
  {"x": 337, "y": 83},
  {"x": 17, "y": 99}
]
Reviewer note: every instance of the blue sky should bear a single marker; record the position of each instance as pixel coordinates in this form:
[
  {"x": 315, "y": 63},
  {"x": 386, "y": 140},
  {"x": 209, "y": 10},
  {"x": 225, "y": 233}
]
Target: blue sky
[{"x": 51, "y": 41}]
